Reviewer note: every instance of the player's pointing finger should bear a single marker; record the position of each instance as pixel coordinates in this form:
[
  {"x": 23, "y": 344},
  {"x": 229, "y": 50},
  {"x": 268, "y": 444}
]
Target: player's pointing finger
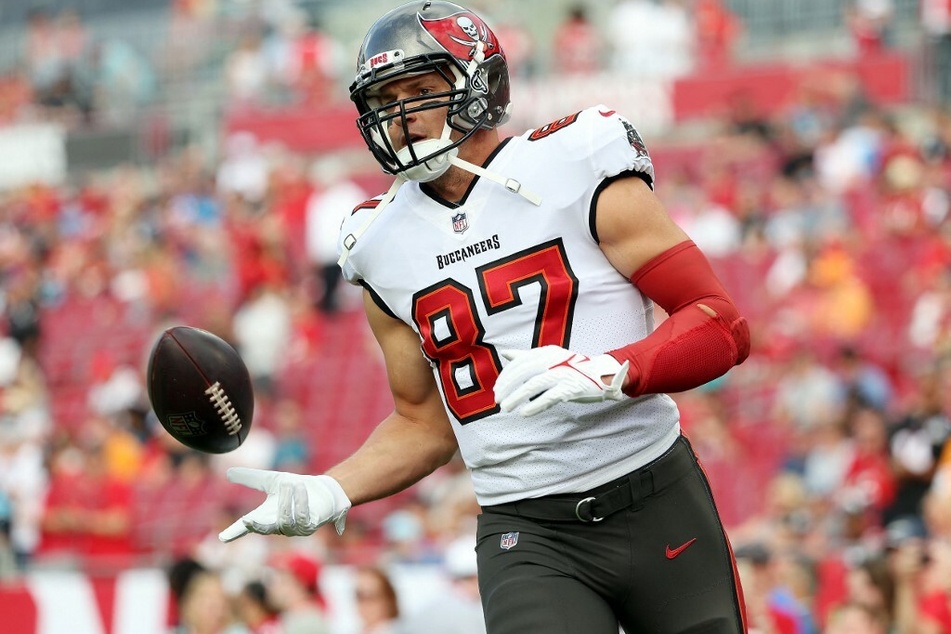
[
  {"x": 233, "y": 532},
  {"x": 259, "y": 479}
]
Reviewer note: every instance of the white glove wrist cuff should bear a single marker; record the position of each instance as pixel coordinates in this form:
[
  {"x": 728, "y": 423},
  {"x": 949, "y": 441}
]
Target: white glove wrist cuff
[
  {"x": 341, "y": 501},
  {"x": 605, "y": 365}
]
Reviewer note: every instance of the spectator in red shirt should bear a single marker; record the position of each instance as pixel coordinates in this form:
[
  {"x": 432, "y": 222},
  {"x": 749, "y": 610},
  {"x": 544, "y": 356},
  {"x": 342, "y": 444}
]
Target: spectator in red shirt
[
  {"x": 311, "y": 67},
  {"x": 88, "y": 510},
  {"x": 107, "y": 515},
  {"x": 869, "y": 22},
  {"x": 577, "y": 44},
  {"x": 295, "y": 588},
  {"x": 717, "y": 30},
  {"x": 935, "y": 603},
  {"x": 15, "y": 95},
  {"x": 869, "y": 485}
]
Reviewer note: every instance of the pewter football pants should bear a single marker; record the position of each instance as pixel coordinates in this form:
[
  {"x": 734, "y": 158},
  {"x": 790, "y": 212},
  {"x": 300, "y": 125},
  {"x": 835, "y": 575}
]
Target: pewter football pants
[{"x": 657, "y": 563}]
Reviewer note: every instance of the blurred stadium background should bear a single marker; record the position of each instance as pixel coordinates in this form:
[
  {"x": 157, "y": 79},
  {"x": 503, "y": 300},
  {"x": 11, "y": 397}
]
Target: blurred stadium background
[{"x": 180, "y": 161}]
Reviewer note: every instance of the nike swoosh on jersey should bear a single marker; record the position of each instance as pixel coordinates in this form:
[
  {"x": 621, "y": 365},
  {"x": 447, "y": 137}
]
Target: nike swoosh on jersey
[
  {"x": 606, "y": 114},
  {"x": 673, "y": 552}
]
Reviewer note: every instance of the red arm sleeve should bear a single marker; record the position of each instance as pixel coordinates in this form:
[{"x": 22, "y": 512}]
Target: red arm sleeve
[{"x": 691, "y": 347}]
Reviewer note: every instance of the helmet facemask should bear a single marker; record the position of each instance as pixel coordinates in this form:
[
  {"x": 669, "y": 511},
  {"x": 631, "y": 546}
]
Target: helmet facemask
[
  {"x": 415, "y": 39},
  {"x": 425, "y": 159},
  {"x": 421, "y": 38}
]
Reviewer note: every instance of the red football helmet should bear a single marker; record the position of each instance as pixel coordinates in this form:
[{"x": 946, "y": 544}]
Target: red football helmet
[{"x": 418, "y": 38}]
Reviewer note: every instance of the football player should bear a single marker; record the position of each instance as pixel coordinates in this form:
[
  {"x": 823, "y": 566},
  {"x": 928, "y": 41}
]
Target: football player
[{"x": 510, "y": 284}]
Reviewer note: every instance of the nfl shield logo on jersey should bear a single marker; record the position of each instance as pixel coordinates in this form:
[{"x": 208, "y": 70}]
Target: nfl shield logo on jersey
[
  {"x": 509, "y": 540},
  {"x": 460, "y": 223}
]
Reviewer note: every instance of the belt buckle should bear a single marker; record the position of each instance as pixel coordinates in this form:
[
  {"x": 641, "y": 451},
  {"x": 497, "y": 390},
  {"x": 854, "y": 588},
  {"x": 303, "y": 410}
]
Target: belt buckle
[{"x": 583, "y": 511}]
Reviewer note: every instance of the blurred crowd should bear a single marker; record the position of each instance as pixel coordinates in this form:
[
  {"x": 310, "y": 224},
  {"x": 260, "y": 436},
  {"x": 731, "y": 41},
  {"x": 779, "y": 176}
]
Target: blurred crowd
[
  {"x": 280, "y": 53},
  {"x": 829, "y": 219},
  {"x": 232, "y": 57}
]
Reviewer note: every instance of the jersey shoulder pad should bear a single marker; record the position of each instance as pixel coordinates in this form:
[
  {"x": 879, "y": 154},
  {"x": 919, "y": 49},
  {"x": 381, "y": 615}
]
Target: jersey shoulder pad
[
  {"x": 367, "y": 204},
  {"x": 351, "y": 223},
  {"x": 609, "y": 142}
]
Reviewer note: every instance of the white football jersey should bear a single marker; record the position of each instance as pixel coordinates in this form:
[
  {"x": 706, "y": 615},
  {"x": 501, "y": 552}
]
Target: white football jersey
[{"x": 497, "y": 272}]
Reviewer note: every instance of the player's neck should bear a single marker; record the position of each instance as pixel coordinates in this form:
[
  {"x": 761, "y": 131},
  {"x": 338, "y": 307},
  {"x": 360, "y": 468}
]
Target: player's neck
[{"x": 453, "y": 185}]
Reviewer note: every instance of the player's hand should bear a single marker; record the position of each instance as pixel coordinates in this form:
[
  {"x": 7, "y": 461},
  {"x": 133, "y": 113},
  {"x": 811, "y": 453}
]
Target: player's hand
[
  {"x": 536, "y": 379},
  {"x": 296, "y": 505}
]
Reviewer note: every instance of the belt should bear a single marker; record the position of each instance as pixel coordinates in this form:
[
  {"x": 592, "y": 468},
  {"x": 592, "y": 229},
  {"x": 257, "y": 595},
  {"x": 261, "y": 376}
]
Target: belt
[{"x": 607, "y": 499}]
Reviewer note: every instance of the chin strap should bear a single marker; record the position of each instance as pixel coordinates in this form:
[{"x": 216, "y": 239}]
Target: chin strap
[{"x": 508, "y": 183}]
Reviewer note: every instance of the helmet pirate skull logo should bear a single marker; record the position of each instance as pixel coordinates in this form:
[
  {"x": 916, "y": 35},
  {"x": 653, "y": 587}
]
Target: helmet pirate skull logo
[
  {"x": 469, "y": 27},
  {"x": 461, "y": 33}
]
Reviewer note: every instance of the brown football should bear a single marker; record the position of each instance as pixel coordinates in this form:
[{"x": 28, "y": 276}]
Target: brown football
[{"x": 200, "y": 389}]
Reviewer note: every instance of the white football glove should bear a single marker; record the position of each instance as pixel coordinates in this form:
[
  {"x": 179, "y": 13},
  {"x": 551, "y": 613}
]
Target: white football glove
[
  {"x": 538, "y": 378},
  {"x": 296, "y": 505}
]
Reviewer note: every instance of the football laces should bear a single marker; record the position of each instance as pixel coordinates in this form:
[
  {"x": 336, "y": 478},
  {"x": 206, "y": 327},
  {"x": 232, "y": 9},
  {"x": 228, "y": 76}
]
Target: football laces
[{"x": 229, "y": 416}]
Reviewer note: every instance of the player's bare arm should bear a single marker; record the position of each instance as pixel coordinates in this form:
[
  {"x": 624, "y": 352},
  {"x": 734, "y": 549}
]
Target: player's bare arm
[
  {"x": 417, "y": 437},
  {"x": 634, "y": 227},
  {"x": 705, "y": 332},
  {"x": 409, "y": 444},
  {"x": 633, "y": 224}
]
